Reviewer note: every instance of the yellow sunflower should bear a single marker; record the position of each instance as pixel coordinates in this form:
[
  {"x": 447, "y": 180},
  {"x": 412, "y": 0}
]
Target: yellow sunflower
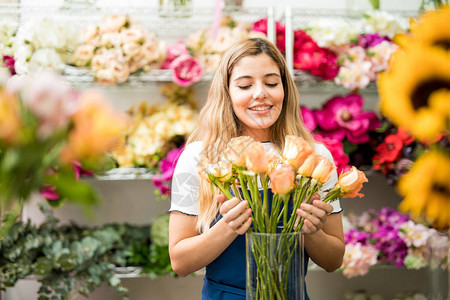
[
  {"x": 426, "y": 188},
  {"x": 415, "y": 92},
  {"x": 432, "y": 29}
]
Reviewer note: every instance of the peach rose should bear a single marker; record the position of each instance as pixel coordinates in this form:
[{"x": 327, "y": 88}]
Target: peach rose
[
  {"x": 255, "y": 158},
  {"x": 83, "y": 55},
  {"x": 273, "y": 160},
  {"x": 296, "y": 150},
  {"x": 112, "y": 23},
  {"x": 235, "y": 151},
  {"x": 323, "y": 170},
  {"x": 220, "y": 170},
  {"x": 88, "y": 33},
  {"x": 308, "y": 166},
  {"x": 282, "y": 179},
  {"x": 351, "y": 182}
]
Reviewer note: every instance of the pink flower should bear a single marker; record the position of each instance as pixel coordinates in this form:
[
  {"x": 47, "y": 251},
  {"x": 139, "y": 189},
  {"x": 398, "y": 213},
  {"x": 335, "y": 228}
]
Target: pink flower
[
  {"x": 173, "y": 52},
  {"x": 336, "y": 148},
  {"x": 79, "y": 171},
  {"x": 343, "y": 117},
  {"x": 186, "y": 70},
  {"x": 167, "y": 167},
  {"x": 358, "y": 259},
  {"x": 49, "y": 192},
  {"x": 308, "y": 118}
]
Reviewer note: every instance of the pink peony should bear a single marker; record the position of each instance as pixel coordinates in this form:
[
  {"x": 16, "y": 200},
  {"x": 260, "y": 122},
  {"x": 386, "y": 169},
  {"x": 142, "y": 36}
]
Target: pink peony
[
  {"x": 173, "y": 52},
  {"x": 336, "y": 148},
  {"x": 186, "y": 70},
  {"x": 321, "y": 62},
  {"x": 358, "y": 259},
  {"x": 343, "y": 117}
]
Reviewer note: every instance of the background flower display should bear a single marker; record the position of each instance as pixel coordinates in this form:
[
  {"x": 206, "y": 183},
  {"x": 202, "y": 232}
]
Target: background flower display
[
  {"x": 117, "y": 47},
  {"x": 388, "y": 237},
  {"x": 350, "y": 53},
  {"x": 45, "y": 128},
  {"x": 209, "y": 49},
  {"x": 156, "y": 133},
  {"x": 186, "y": 70},
  {"x": 43, "y": 44},
  {"x": 343, "y": 126}
]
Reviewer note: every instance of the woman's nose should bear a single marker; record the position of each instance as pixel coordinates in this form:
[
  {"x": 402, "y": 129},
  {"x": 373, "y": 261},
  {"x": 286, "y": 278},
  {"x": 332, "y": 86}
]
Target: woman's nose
[{"x": 259, "y": 93}]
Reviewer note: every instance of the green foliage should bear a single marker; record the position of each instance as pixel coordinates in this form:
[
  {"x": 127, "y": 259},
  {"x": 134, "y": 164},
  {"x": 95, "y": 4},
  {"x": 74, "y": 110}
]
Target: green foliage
[{"x": 68, "y": 259}]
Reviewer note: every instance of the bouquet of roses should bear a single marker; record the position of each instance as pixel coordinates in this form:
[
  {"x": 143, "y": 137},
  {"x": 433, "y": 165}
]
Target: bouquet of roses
[{"x": 275, "y": 186}]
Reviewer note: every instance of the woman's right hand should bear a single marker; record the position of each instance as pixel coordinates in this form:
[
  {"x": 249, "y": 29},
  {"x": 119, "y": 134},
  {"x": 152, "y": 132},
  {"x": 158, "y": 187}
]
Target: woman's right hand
[{"x": 235, "y": 213}]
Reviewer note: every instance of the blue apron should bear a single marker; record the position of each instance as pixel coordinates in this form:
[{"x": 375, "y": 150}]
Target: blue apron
[{"x": 225, "y": 276}]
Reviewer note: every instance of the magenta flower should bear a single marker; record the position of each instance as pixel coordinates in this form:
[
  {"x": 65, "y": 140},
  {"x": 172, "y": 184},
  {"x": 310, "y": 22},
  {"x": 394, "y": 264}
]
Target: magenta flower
[
  {"x": 369, "y": 40},
  {"x": 342, "y": 117},
  {"x": 186, "y": 70},
  {"x": 336, "y": 148},
  {"x": 9, "y": 63},
  {"x": 79, "y": 171},
  {"x": 49, "y": 192},
  {"x": 261, "y": 26},
  {"x": 167, "y": 167},
  {"x": 308, "y": 118}
]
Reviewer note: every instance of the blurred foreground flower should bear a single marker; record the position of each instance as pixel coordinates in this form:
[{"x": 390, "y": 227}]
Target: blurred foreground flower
[{"x": 46, "y": 128}]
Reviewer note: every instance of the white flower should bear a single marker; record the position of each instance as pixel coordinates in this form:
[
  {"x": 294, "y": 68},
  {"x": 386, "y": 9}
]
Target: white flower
[
  {"x": 45, "y": 58},
  {"x": 414, "y": 234},
  {"x": 383, "y": 23},
  {"x": 331, "y": 33}
]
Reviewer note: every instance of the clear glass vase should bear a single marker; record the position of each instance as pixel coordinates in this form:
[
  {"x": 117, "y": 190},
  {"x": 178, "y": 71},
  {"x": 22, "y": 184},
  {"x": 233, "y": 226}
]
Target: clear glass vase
[
  {"x": 275, "y": 266},
  {"x": 175, "y": 8},
  {"x": 438, "y": 269}
]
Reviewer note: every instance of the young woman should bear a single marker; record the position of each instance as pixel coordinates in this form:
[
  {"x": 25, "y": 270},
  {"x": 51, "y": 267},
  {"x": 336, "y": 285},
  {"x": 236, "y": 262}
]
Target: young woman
[{"x": 252, "y": 94}]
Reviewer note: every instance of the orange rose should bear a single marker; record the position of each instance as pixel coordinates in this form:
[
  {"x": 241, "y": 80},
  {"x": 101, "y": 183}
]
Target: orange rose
[
  {"x": 255, "y": 158},
  {"x": 323, "y": 170},
  {"x": 235, "y": 151},
  {"x": 296, "y": 150},
  {"x": 351, "y": 182},
  {"x": 308, "y": 166},
  {"x": 282, "y": 179}
]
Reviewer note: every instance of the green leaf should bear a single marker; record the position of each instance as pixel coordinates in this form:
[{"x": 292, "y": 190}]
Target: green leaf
[{"x": 43, "y": 266}]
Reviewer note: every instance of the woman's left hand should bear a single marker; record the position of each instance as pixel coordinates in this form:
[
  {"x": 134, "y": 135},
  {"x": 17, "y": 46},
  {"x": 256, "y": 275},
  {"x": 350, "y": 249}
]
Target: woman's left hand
[{"x": 314, "y": 215}]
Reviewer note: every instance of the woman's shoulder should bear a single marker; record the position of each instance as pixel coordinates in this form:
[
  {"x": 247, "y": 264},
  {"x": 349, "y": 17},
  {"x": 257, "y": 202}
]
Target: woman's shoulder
[{"x": 193, "y": 149}]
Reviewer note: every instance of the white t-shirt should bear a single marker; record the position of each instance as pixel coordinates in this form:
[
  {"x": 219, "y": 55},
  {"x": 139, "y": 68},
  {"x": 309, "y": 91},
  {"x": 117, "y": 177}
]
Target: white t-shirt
[{"x": 186, "y": 181}]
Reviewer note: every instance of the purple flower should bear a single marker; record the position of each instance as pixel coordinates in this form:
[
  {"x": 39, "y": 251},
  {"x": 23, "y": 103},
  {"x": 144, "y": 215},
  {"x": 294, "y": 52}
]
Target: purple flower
[
  {"x": 370, "y": 40},
  {"x": 342, "y": 117}
]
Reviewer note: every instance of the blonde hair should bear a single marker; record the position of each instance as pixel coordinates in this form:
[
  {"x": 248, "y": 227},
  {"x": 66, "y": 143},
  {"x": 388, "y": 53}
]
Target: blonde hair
[{"x": 218, "y": 123}]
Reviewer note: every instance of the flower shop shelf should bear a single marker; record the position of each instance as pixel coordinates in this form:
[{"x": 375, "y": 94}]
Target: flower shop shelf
[
  {"x": 170, "y": 26},
  {"x": 125, "y": 174}
]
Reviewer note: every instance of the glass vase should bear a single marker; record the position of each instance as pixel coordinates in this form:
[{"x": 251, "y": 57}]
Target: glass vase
[
  {"x": 175, "y": 8},
  {"x": 274, "y": 266},
  {"x": 438, "y": 268}
]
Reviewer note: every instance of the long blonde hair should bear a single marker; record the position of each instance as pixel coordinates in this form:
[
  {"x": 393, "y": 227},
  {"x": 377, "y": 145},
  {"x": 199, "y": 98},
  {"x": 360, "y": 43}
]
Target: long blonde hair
[{"x": 218, "y": 123}]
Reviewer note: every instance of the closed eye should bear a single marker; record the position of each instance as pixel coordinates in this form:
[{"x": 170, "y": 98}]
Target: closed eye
[
  {"x": 244, "y": 87},
  {"x": 271, "y": 84}
]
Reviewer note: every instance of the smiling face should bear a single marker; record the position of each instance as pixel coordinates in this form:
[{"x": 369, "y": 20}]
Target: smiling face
[{"x": 257, "y": 94}]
